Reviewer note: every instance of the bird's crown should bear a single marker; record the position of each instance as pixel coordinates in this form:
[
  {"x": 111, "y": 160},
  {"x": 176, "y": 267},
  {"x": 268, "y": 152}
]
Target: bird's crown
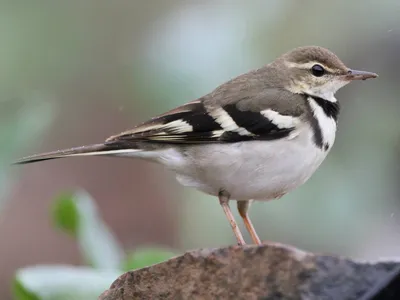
[{"x": 306, "y": 57}]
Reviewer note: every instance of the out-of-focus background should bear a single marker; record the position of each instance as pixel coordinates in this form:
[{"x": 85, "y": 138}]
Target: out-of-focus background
[{"x": 75, "y": 72}]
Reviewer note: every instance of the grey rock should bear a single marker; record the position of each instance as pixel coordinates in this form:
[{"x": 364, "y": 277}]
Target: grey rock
[{"x": 270, "y": 271}]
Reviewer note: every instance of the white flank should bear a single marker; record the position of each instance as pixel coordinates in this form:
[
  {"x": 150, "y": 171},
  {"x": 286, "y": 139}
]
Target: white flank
[
  {"x": 226, "y": 121},
  {"x": 178, "y": 126},
  {"x": 327, "y": 124},
  {"x": 279, "y": 120},
  {"x": 260, "y": 170}
]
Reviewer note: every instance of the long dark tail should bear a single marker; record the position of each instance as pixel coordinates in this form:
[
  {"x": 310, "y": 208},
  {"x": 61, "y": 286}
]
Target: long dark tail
[{"x": 90, "y": 150}]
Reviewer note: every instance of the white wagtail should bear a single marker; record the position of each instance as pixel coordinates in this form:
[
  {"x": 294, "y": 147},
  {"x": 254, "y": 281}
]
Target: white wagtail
[{"x": 256, "y": 137}]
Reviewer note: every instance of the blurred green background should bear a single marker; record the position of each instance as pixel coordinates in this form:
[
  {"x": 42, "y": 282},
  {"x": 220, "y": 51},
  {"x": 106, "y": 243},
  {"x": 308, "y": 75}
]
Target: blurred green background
[{"x": 75, "y": 72}]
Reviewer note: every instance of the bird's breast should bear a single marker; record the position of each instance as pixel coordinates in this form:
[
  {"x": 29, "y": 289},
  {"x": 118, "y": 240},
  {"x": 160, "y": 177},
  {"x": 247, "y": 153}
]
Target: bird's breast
[
  {"x": 260, "y": 170},
  {"x": 323, "y": 122}
]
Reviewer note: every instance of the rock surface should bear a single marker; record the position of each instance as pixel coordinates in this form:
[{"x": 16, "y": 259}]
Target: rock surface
[{"x": 270, "y": 271}]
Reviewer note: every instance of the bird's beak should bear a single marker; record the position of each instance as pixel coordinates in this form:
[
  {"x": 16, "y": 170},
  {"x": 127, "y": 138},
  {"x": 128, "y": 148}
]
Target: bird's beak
[{"x": 359, "y": 75}]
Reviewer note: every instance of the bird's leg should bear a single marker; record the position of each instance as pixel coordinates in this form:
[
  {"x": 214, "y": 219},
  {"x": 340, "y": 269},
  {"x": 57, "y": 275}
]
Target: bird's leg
[
  {"x": 223, "y": 197},
  {"x": 243, "y": 207}
]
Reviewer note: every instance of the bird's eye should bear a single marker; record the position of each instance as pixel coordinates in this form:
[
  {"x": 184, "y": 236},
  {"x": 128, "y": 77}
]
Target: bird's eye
[{"x": 317, "y": 70}]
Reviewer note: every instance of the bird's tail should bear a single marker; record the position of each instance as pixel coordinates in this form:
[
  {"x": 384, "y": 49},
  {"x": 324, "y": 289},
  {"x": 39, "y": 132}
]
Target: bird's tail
[{"x": 90, "y": 150}]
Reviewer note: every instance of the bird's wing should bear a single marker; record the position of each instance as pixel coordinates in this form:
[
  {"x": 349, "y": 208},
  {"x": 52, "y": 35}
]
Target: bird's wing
[
  {"x": 253, "y": 117},
  {"x": 220, "y": 117}
]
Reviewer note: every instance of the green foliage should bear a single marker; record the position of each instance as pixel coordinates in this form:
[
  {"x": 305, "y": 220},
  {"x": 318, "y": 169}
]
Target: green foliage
[
  {"x": 21, "y": 293},
  {"x": 59, "y": 282},
  {"x": 77, "y": 215},
  {"x": 65, "y": 214},
  {"x": 145, "y": 257},
  {"x": 97, "y": 243}
]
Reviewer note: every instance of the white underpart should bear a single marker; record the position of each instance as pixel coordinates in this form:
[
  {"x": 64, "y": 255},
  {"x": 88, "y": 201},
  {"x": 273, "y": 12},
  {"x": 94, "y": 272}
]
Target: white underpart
[
  {"x": 327, "y": 124},
  {"x": 226, "y": 121},
  {"x": 259, "y": 170},
  {"x": 279, "y": 120}
]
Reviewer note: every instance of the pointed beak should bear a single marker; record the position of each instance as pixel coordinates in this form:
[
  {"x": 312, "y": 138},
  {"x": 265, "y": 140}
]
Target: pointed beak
[{"x": 359, "y": 75}]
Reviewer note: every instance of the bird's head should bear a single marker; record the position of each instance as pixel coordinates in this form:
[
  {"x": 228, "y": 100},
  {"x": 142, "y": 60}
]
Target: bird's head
[{"x": 316, "y": 71}]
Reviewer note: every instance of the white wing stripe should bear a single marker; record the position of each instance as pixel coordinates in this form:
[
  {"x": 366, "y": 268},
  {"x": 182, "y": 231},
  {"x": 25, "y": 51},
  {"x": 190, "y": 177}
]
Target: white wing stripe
[
  {"x": 178, "y": 126},
  {"x": 226, "y": 121},
  {"x": 217, "y": 133},
  {"x": 279, "y": 120}
]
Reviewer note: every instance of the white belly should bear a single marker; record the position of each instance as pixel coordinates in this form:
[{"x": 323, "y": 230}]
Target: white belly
[{"x": 259, "y": 170}]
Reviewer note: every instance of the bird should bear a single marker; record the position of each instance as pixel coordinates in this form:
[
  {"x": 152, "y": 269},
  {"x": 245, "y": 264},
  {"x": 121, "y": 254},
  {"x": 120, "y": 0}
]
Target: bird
[{"x": 255, "y": 137}]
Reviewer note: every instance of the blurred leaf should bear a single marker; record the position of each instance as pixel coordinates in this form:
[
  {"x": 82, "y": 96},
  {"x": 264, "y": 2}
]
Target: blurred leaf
[
  {"x": 21, "y": 123},
  {"x": 78, "y": 214},
  {"x": 24, "y": 119},
  {"x": 145, "y": 257},
  {"x": 60, "y": 282},
  {"x": 65, "y": 214},
  {"x": 21, "y": 293}
]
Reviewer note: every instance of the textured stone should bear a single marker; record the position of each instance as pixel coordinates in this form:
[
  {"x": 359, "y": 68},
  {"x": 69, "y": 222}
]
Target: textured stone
[{"x": 270, "y": 271}]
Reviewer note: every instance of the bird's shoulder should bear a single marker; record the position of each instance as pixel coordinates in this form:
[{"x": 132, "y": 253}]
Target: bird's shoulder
[{"x": 244, "y": 108}]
